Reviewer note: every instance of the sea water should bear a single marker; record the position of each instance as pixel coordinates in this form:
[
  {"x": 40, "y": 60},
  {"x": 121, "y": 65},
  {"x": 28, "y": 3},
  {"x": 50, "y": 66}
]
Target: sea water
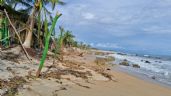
[{"x": 156, "y": 68}]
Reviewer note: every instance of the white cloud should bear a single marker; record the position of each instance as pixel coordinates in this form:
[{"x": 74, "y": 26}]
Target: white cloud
[
  {"x": 105, "y": 45},
  {"x": 137, "y": 23},
  {"x": 88, "y": 16}
]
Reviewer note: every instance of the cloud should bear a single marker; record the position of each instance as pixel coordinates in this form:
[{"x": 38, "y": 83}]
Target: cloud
[
  {"x": 158, "y": 30},
  {"x": 105, "y": 45},
  {"x": 88, "y": 16},
  {"x": 130, "y": 23},
  {"x": 165, "y": 2}
]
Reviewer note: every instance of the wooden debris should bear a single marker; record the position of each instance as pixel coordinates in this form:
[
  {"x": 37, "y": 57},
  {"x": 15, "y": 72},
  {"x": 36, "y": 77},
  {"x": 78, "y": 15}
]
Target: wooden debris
[{"x": 17, "y": 36}]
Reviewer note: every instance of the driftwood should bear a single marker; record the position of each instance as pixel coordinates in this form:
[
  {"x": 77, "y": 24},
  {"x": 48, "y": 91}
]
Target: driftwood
[
  {"x": 81, "y": 54},
  {"x": 17, "y": 36}
]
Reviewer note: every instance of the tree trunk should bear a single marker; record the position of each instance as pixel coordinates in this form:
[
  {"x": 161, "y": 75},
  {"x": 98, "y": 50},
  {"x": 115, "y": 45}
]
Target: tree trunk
[
  {"x": 27, "y": 42},
  {"x": 28, "y": 39}
]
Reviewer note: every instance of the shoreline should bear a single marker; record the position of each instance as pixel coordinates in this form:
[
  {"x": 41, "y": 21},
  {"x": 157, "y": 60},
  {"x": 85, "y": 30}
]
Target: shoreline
[
  {"x": 125, "y": 85},
  {"x": 156, "y": 69},
  {"x": 132, "y": 73},
  {"x": 140, "y": 76}
]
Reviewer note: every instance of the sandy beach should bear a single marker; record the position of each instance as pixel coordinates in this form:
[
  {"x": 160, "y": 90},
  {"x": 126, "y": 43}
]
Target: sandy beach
[
  {"x": 126, "y": 86},
  {"x": 85, "y": 48},
  {"x": 87, "y": 78}
]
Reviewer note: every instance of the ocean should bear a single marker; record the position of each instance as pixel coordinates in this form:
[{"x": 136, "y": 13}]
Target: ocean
[{"x": 154, "y": 67}]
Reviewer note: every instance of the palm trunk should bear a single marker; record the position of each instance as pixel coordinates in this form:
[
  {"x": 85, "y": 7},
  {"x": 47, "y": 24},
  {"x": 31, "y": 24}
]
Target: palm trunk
[{"x": 27, "y": 42}]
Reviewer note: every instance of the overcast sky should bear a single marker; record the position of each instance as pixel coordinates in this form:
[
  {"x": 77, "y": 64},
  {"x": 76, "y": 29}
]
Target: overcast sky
[{"x": 135, "y": 25}]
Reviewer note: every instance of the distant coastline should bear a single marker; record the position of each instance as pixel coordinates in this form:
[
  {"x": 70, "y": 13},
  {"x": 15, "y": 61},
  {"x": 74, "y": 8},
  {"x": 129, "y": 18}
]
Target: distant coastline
[{"x": 139, "y": 53}]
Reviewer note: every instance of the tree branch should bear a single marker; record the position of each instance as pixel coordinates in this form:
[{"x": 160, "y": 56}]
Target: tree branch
[{"x": 28, "y": 57}]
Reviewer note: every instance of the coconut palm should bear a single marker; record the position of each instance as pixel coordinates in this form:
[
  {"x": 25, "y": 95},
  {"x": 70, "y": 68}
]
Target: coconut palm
[
  {"x": 36, "y": 10},
  {"x": 39, "y": 8},
  {"x": 68, "y": 38}
]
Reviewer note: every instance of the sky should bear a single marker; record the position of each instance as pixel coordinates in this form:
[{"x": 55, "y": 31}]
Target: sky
[{"x": 139, "y": 26}]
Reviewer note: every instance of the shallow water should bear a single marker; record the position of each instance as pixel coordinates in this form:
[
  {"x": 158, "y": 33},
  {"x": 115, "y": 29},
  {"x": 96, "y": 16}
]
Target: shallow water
[{"x": 158, "y": 69}]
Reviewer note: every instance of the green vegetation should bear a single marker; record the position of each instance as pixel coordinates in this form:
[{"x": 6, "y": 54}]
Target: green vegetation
[
  {"x": 4, "y": 33},
  {"x": 32, "y": 14},
  {"x": 82, "y": 45},
  {"x": 47, "y": 43},
  {"x": 66, "y": 39},
  {"x": 40, "y": 34}
]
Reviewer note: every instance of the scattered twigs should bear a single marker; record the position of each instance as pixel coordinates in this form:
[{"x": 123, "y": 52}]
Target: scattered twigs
[{"x": 17, "y": 36}]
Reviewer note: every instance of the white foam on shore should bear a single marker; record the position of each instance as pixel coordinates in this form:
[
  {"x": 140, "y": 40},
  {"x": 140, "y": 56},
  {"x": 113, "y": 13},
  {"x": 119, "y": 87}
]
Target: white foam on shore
[{"x": 157, "y": 67}]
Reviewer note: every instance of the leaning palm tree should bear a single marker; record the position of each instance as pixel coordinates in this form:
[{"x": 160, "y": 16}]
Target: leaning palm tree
[{"x": 36, "y": 10}]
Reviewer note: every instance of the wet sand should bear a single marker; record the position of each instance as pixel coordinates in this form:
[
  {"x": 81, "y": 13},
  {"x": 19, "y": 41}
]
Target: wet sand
[{"x": 126, "y": 85}]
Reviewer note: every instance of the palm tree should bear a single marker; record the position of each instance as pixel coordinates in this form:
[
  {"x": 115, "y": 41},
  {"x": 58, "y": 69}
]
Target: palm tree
[
  {"x": 35, "y": 10},
  {"x": 68, "y": 38},
  {"x": 39, "y": 6},
  {"x": 61, "y": 38},
  {"x": 65, "y": 39}
]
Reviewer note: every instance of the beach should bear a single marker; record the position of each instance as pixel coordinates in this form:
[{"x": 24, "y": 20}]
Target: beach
[
  {"x": 85, "y": 48},
  {"x": 88, "y": 74},
  {"x": 126, "y": 86}
]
